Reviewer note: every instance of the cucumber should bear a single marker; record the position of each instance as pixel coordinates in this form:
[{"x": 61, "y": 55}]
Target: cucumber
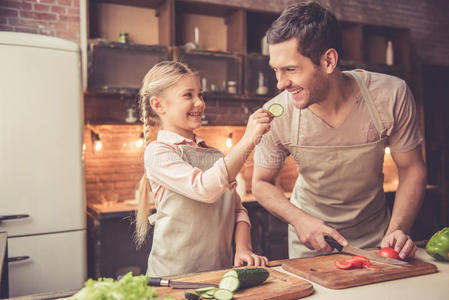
[
  {"x": 222, "y": 294},
  {"x": 191, "y": 295},
  {"x": 246, "y": 277}
]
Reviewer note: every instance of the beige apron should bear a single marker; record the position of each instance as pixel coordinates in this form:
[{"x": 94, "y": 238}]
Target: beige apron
[
  {"x": 192, "y": 236},
  {"x": 342, "y": 185}
]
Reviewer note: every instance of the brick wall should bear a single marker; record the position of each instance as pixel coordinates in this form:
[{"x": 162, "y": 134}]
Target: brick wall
[{"x": 60, "y": 18}]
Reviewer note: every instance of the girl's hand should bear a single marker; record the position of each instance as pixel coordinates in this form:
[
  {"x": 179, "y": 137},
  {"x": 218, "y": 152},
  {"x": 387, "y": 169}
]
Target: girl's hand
[
  {"x": 249, "y": 258},
  {"x": 258, "y": 125}
]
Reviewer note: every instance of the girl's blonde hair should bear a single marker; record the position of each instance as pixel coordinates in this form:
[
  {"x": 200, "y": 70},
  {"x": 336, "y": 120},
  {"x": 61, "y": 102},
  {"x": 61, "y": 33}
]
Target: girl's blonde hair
[{"x": 161, "y": 76}]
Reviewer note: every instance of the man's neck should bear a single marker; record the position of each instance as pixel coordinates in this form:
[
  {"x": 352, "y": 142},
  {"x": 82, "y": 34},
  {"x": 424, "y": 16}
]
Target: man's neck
[{"x": 339, "y": 101}]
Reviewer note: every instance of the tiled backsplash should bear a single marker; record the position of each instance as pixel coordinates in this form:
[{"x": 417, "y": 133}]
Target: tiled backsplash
[{"x": 115, "y": 170}]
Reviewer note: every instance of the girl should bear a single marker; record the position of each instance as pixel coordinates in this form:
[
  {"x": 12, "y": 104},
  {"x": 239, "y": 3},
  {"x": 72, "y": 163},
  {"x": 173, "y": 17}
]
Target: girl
[{"x": 198, "y": 210}]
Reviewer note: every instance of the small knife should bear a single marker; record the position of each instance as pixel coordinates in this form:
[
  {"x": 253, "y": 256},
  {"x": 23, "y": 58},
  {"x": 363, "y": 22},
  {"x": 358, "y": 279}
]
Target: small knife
[
  {"x": 371, "y": 255},
  {"x": 158, "y": 281}
]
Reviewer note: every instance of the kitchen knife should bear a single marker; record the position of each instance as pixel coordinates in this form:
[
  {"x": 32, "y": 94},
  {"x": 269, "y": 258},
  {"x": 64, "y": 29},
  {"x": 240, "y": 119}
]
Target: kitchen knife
[
  {"x": 371, "y": 255},
  {"x": 158, "y": 281}
]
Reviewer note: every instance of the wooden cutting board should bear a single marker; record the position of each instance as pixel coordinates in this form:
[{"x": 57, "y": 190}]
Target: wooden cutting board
[
  {"x": 322, "y": 270},
  {"x": 277, "y": 286}
]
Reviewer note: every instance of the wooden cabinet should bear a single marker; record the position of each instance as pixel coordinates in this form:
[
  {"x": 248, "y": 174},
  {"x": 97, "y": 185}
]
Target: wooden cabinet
[
  {"x": 376, "y": 48},
  {"x": 224, "y": 42},
  {"x": 111, "y": 250}
]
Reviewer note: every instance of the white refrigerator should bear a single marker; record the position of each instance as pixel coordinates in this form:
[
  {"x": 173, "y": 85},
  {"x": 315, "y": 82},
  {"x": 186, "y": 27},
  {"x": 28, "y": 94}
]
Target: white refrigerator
[{"x": 42, "y": 200}]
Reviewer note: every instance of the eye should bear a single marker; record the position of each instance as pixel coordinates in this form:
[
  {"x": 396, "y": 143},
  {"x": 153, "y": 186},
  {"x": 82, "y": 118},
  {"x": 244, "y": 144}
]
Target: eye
[
  {"x": 290, "y": 69},
  {"x": 200, "y": 95},
  {"x": 188, "y": 95}
]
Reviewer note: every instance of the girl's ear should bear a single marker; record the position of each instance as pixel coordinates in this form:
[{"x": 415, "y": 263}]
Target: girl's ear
[
  {"x": 157, "y": 106},
  {"x": 329, "y": 60}
]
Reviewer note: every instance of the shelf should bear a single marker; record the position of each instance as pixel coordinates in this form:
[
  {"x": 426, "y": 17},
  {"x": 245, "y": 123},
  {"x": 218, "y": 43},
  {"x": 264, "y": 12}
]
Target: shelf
[
  {"x": 119, "y": 68},
  {"x": 217, "y": 69}
]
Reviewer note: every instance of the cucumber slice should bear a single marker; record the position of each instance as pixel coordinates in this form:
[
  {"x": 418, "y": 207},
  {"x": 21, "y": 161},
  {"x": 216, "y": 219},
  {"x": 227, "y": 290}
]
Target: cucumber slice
[
  {"x": 230, "y": 283},
  {"x": 209, "y": 294},
  {"x": 191, "y": 295},
  {"x": 222, "y": 294},
  {"x": 276, "y": 109},
  {"x": 204, "y": 289}
]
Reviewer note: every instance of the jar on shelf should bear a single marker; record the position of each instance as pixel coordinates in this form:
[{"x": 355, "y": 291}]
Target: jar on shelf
[
  {"x": 232, "y": 87},
  {"x": 123, "y": 37}
]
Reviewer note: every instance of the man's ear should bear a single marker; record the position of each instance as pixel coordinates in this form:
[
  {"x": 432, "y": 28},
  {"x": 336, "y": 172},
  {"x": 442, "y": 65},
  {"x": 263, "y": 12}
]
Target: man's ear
[
  {"x": 329, "y": 60},
  {"x": 157, "y": 106}
]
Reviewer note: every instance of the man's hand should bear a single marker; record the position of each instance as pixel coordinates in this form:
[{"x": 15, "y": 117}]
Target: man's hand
[
  {"x": 401, "y": 243},
  {"x": 311, "y": 232}
]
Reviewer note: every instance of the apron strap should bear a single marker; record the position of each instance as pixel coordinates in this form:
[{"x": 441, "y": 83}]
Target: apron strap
[
  {"x": 370, "y": 103},
  {"x": 294, "y": 133}
]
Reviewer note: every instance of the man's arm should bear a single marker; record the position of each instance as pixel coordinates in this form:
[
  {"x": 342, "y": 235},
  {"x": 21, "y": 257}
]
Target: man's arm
[
  {"x": 409, "y": 196},
  {"x": 310, "y": 230}
]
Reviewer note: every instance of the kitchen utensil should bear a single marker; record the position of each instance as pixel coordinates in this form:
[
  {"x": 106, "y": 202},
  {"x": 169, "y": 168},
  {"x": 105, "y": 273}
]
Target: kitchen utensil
[
  {"x": 368, "y": 254},
  {"x": 158, "y": 281}
]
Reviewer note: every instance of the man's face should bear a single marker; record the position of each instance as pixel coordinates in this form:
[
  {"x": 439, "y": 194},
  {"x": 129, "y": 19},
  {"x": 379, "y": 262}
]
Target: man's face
[{"x": 305, "y": 81}]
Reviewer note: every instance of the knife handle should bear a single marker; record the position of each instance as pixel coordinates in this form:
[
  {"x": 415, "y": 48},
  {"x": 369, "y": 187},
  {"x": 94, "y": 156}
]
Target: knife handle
[
  {"x": 333, "y": 243},
  {"x": 158, "y": 281}
]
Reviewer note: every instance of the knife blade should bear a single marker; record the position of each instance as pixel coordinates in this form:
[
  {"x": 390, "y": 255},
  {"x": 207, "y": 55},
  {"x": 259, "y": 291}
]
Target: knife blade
[
  {"x": 158, "y": 281},
  {"x": 357, "y": 251}
]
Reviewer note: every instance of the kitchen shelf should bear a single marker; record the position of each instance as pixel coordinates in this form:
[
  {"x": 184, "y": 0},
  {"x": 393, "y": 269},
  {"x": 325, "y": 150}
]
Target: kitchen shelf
[
  {"x": 120, "y": 68},
  {"x": 229, "y": 48}
]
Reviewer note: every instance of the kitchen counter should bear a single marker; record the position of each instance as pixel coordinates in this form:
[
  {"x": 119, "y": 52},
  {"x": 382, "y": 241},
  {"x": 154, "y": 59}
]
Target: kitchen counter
[{"x": 431, "y": 286}]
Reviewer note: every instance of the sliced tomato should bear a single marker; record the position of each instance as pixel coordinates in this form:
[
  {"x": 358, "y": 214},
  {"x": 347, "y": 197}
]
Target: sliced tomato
[
  {"x": 343, "y": 264},
  {"x": 358, "y": 261},
  {"x": 388, "y": 252}
]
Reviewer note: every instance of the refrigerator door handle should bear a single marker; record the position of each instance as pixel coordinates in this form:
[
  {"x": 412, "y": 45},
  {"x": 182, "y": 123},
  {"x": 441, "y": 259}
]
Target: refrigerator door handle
[
  {"x": 17, "y": 258},
  {"x": 12, "y": 217}
]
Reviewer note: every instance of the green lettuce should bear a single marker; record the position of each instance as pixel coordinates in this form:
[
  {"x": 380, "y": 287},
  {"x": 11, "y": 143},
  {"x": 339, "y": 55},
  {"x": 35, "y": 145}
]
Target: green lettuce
[{"x": 129, "y": 287}]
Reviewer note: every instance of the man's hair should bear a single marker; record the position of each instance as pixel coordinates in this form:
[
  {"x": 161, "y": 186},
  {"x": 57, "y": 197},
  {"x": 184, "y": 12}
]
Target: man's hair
[{"x": 314, "y": 26}]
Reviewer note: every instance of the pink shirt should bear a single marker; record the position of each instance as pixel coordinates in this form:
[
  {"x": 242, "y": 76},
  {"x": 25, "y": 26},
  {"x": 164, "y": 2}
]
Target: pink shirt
[{"x": 166, "y": 169}]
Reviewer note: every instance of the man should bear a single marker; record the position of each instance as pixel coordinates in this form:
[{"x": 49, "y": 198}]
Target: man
[{"x": 336, "y": 125}]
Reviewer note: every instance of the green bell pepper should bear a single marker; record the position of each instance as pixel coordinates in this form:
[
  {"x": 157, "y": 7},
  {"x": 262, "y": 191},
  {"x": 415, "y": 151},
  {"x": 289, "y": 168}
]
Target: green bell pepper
[{"x": 438, "y": 245}]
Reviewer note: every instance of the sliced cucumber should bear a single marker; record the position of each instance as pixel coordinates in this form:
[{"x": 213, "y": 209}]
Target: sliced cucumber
[
  {"x": 204, "y": 289},
  {"x": 230, "y": 283},
  {"x": 222, "y": 294},
  {"x": 276, "y": 109},
  {"x": 209, "y": 294},
  {"x": 191, "y": 295}
]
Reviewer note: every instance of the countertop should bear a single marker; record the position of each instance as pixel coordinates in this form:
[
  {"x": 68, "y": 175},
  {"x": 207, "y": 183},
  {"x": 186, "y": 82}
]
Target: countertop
[{"x": 431, "y": 286}]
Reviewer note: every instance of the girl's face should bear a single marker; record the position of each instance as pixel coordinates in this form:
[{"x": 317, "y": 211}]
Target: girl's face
[{"x": 182, "y": 106}]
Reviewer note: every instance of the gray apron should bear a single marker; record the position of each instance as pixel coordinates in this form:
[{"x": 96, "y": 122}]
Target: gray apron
[
  {"x": 192, "y": 236},
  {"x": 342, "y": 185}
]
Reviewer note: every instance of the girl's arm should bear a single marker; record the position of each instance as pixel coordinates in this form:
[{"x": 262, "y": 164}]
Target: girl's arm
[
  {"x": 258, "y": 125},
  {"x": 244, "y": 254},
  {"x": 168, "y": 169},
  {"x": 244, "y": 250}
]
